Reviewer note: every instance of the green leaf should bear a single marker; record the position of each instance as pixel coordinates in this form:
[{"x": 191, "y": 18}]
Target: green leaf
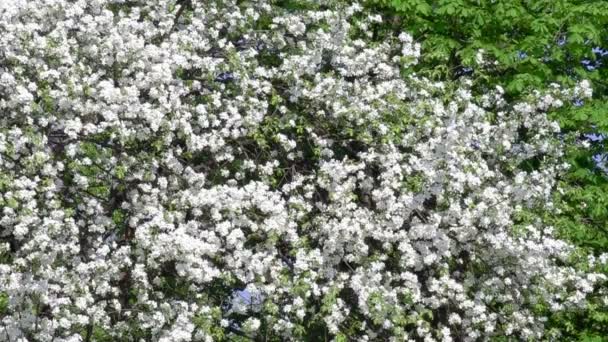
[
  {"x": 341, "y": 338},
  {"x": 3, "y": 303},
  {"x": 120, "y": 172}
]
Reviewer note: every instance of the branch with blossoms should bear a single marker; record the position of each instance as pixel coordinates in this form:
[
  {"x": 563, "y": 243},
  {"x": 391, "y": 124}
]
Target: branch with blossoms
[{"x": 221, "y": 170}]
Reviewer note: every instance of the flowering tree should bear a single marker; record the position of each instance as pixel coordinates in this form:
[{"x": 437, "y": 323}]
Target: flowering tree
[{"x": 209, "y": 170}]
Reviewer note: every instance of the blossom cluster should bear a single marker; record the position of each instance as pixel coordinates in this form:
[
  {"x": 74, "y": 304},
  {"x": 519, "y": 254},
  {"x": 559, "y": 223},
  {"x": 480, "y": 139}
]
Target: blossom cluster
[{"x": 198, "y": 170}]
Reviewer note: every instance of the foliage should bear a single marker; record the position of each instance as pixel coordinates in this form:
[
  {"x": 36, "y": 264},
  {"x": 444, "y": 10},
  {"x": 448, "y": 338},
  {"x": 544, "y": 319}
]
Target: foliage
[
  {"x": 274, "y": 170},
  {"x": 524, "y": 45}
]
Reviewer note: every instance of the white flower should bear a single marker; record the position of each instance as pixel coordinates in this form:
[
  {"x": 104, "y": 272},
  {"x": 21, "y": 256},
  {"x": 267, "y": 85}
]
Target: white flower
[
  {"x": 252, "y": 324},
  {"x": 479, "y": 56}
]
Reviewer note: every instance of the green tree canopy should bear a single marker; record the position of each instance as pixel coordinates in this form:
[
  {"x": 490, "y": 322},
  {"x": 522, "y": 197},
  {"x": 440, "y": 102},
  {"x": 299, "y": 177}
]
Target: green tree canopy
[{"x": 523, "y": 45}]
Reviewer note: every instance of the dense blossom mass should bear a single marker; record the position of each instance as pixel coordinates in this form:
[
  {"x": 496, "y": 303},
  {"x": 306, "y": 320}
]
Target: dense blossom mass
[{"x": 224, "y": 170}]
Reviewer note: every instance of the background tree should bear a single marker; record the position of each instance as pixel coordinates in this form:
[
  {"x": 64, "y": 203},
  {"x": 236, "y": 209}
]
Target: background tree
[{"x": 534, "y": 44}]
